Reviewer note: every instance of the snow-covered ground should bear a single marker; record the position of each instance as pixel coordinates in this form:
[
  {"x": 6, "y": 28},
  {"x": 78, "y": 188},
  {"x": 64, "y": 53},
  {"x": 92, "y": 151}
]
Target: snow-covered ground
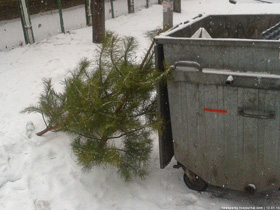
[
  {"x": 47, "y": 24},
  {"x": 41, "y": 173}
]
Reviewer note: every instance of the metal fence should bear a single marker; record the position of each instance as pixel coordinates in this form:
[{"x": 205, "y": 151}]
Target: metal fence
[{"x": 26, "y": 21}]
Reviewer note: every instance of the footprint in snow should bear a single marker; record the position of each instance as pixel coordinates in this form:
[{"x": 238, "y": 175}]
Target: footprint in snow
[
  {"x": 52, "y": 154},
  {"x": 37, "y": 141},
  {"x": 4, "y": 167},
  {"x": 42, "y": 205},
  {"x": 185, "y": 200}
]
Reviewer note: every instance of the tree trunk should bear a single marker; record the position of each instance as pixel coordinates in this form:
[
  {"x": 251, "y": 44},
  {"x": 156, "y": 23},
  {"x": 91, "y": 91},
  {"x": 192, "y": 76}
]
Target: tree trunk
[
  {"x": 41, "y": 133},
  {"x": 177, "y": 6},
  {"x": 98, "y": 21}
]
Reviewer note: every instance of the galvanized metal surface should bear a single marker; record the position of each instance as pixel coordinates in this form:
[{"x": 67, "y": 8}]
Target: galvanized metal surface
[
  {"x": 236, "y": 43},
  {"x": 216, "y": 141},
  {"x": 228, "y": 133}
]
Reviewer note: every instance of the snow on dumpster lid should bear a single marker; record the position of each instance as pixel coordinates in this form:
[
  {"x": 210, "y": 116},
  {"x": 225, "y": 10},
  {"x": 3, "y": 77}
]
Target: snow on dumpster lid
[{"x": 254, "y": 1}]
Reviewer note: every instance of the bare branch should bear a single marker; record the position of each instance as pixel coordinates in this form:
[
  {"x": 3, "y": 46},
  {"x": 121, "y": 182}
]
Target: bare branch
[{"x": 148, "y": 52}]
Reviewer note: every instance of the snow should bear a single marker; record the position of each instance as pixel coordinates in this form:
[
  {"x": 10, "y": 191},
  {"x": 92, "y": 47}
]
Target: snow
[
  {"x": 41, "y": 173},
  {"x": 48, "y": 24},
  {"x": 243, "y": 74}
]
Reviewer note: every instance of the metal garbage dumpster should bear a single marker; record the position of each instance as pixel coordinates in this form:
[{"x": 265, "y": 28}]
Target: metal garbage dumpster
[{"x": 221, "y": 104}]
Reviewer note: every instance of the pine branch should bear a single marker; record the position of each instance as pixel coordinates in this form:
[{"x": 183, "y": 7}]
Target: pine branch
[
  {"x": 85, "y": 136},
  {"x": 123, "y": 101},
  {"x": 111, "y": 56},
  {"x": 126, "y": 133},
  {"x": 43, "y": 117},
  {"x": 129, "y": 46},
  {"x": 32, "y": 109},
  {"x": 106, "y": 103},
  {"x": 100, "y": 63}
]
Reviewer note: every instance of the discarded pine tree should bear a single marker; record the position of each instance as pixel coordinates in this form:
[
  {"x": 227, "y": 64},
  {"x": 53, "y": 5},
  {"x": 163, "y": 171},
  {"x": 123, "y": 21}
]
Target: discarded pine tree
[{"x": 108, "y": 107}]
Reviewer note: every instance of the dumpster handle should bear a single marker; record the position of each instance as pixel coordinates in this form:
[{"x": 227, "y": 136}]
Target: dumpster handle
[
  {"x": 188, "y": 64},
  {"x": 271, "y": 115}
]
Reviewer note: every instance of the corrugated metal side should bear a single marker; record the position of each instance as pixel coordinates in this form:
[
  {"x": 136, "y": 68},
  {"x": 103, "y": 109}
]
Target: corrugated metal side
[
  {"x": 226, "y": 149},
  {"x": 241, "y": 55}
]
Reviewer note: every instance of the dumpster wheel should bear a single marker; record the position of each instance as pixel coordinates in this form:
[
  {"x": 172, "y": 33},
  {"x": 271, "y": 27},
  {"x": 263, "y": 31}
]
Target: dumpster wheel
[{"x": 194, "y": 182}]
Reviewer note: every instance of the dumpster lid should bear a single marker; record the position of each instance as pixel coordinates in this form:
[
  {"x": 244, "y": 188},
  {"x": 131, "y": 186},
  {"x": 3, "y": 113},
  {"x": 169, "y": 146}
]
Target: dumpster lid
[{"x": 254, "y": 1}]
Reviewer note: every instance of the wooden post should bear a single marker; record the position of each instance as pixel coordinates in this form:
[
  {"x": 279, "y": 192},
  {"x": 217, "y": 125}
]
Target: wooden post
[
  {"x": 147, "y": 3},
  {"x": 112, "y": 9},
  {"x": 167, "y": 14},
  {"x": 177, "y": 6},
  {"x": 60, "y": 16},
  {"x": 98, "y": 20},
  {"x": 88, "y": 5},
  {"x": 26, "y": 22},
  {"x": 130, "y": 4}
]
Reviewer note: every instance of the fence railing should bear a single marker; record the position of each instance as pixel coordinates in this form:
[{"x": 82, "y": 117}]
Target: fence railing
[{"x": 39, "y": 22}]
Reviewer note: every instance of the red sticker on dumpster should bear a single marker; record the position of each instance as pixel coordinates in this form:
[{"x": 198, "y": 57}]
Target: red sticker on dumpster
[{"x": 215, "y": 110}]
